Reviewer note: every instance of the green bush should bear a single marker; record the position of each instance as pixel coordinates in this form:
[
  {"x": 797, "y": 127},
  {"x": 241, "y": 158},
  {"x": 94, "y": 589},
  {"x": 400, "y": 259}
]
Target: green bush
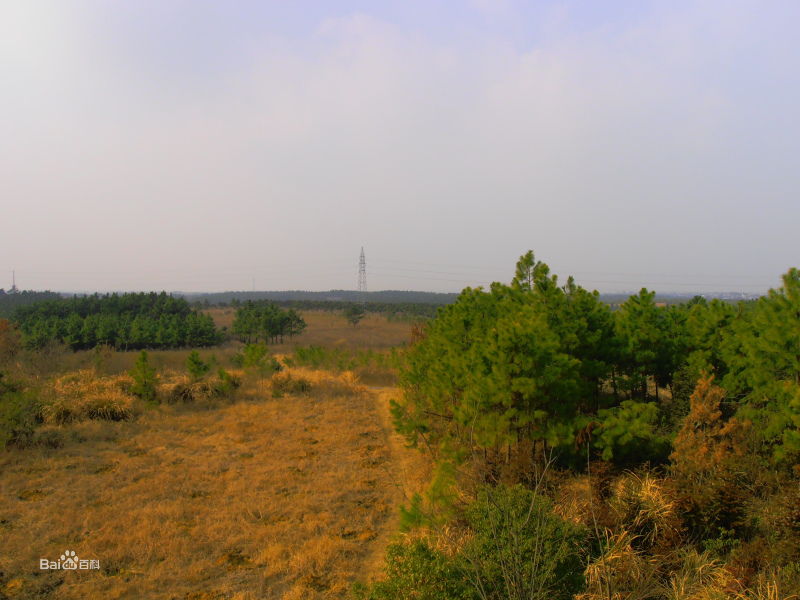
[
  {"x": 257, "y": 356},
  {"x": 417, "y": 571},
  {"x": 520, "y": 548},
  {"x": 628, "y": 434},
  {"x": 317, "y": 357},
  {"x": 196, "y": 366},
  {"x": 19, "y": 413},
  {"x": 226, "y": 383},
  {"x": 144, "y": 378}
]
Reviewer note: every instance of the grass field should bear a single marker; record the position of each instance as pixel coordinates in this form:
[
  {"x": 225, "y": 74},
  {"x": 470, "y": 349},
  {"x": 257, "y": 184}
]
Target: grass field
[
  {"x": 291, "y": 497},
  {"x": 266, "y": 494},
  {"x": 325, "y": 329},
  {"x": 331, "y": 329}
]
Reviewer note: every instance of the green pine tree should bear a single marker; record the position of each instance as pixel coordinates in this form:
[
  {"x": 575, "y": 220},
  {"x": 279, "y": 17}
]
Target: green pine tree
[{"x": 144, "y": 378}]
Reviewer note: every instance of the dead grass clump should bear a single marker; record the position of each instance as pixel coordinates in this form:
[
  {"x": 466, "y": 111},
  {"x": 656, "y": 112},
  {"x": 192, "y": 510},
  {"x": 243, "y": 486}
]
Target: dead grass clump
[
  {"x": 574, "y": 500},
  {"x": 183, "y": 389},
  {"x": 699, "y": 577},
  {"x": 83, "y": 395},
  {"x": 621, "y": 572},
  {"x": 448, "y": 539},
  {"x": 191, "y": 392},
  {"x": 644, "y": 508},
  {"x": 768, "y": 586},
  {"x": 286, "y": 383}
]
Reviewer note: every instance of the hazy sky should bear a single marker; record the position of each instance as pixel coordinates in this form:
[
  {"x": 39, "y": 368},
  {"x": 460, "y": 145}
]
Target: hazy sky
[{"x": 201, "y": 145}]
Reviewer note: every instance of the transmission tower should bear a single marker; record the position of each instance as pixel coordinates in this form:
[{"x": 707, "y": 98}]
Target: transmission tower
[{"x": 362, "y": 272}]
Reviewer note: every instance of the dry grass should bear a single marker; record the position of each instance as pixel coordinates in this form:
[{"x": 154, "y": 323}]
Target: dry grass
[
  {"x": 331, "y": 329},
  {"x": 643, "y": 507},
  {"x": 290, "y": 497},
  {"x": 83, "y": 395},
  {"x": 574, "y": 500},
  {"x": 621, "y": 573},
  {"x": 324, "y": 328}
]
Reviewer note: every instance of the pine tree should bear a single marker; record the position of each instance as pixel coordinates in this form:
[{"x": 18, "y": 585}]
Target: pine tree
[
  {"x": 354, "y": 313},
  {"x": 196, "y": 366},
  {"x": 144, "y": 378}
]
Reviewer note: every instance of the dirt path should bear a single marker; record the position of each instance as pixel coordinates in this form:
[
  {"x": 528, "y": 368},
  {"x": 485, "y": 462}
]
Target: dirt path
[{"x": 407, "y": 472}]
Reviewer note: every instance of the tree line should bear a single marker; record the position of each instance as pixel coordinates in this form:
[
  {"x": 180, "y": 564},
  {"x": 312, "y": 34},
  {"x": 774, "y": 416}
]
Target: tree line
[
  {"x": 265, "y": 321},
  {"x": 130, "y": 321},
  {"x": 11, "y": 300},
  {"x": 389, "y": 309},
  {"x": 581, "y": 452},
  {"x": 549, "y": 364}
]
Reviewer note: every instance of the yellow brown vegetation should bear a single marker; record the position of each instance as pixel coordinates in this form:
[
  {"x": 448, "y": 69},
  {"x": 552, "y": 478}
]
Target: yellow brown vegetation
[
  {"x": 331, "y": 329},
  {"x": 706, "y": 442},
  {"x": 289, "y": 497},
  {"x": 83, "y": 395}
]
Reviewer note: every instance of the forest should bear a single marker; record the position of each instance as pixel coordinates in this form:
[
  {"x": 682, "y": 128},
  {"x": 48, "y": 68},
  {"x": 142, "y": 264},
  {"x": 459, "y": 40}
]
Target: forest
[
  {"x": 384, "y": 297},
  {"x": 130, "y": 321},
  {"x": 265, "y": 321},
  {"x": 648, "y": 452},
  {"x": 13, "y": 299}
]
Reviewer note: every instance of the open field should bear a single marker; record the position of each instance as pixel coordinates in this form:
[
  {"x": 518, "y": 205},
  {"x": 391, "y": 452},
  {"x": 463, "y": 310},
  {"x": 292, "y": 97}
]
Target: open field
[
  {"x": 326, "y": 329},
  {"x": 247, "y": 471},
  {"x": 291, "y": 497},
  {"x": 332, "y": 329}
]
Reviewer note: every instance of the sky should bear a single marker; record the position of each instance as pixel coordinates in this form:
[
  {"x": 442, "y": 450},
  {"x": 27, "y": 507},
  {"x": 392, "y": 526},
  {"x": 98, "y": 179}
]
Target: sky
[{"x": 198, "y": 145}]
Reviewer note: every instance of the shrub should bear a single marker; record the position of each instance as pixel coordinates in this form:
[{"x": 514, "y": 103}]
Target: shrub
[
  {"x": 628, "y": 434},
  {"x": 18, "y": 413},
  {"x": 644, "y": 508},
  {"x": 354, "y": 313},
  {"x": 189, "y": 391},
  {"x": 10, "y": 341},
  {"x": 416, "y": 571},
  {"x": 699, "y": 576},
  {"x": 285, "y": 383},
  {"x": 620, "y": 572},
  {"x": 226, "y": 383},
  {"x": 520, "y": 548},
  {"x": 515, "y": 547},
  {"x": 317, "y": 357},
  {"x": 144, "y": 378},
  {"x": 709, "y": 464},
  {"x": 196, "y": 366},
  {"x": 257, "y": 356}
]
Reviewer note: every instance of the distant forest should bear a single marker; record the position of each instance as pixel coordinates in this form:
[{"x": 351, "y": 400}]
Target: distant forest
[
  {"x": 392, "y": 303},
  {"x": 10, "y": 301},
  {"x": 341, "y": 296},
  {"x": 124, "y": 321}
]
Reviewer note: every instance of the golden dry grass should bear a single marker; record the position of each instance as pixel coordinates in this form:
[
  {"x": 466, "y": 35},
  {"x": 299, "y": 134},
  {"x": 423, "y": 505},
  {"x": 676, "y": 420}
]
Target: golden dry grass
[
  {"x": 331, "y": 329},
  {"x": 291, "y": 497},
  {"x": 83, "y": 395}
]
